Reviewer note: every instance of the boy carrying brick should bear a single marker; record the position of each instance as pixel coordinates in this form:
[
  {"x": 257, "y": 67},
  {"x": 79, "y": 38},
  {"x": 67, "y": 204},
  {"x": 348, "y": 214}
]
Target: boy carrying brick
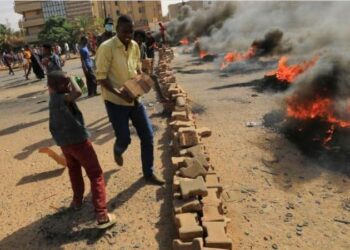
[{"x": 68, "y": 131}]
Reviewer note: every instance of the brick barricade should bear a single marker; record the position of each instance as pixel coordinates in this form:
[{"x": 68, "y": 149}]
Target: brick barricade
[{"x": 197, "y": 205}]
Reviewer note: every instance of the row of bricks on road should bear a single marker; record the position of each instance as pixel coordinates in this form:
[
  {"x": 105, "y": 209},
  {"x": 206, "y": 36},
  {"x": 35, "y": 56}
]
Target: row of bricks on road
[{"x": 198, "y": 208}]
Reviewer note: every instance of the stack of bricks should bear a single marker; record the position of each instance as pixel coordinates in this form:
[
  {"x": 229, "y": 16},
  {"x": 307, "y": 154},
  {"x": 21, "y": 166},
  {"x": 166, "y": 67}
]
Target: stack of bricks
[
  {"x": 198, "y": 208},
  {"x": 147, "y": 66}
]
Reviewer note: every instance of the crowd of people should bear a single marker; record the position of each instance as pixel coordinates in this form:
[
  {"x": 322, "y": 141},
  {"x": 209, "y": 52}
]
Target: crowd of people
[
  {"x": 30, "y": 58},
  {"x": 118, "y": 58}
]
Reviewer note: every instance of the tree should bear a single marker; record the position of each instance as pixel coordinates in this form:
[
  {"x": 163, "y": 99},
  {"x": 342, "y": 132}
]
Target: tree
[
  {"x": 10, "y": 38},
  {"x": 83, "y": 25},
  {"x": 56, "y": 30},
  {"x": 2, "y": 34}
]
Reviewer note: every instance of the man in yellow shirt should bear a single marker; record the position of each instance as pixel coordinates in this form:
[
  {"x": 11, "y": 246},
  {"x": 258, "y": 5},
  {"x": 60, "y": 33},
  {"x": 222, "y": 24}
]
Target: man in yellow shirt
[{"x": 118, "y": 60}]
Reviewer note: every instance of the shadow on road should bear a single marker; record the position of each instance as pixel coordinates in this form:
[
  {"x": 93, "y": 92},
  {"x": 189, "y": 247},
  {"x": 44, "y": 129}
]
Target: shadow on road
[
  {"x": 41, "y": 176},
  {"x": 55, "y": 230},
  {"x": 16, "y": 128}
]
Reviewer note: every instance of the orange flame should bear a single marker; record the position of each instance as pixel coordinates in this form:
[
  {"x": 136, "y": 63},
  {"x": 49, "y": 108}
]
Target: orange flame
[
  {"x": 235, "y": 56},
  {"x": 289, "y": 73},
  {"x": 202, "y": 54},
  {"x": 184, "y": 41},
  {"x": 318, "y": 108}
]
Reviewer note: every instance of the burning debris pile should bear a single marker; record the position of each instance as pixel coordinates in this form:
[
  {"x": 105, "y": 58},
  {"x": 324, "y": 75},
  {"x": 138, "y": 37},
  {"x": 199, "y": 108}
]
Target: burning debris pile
[
  {"x": 317, "y": 109},
  {"x": 285, "y": 74},
  {"x": 270, "y": 45}
]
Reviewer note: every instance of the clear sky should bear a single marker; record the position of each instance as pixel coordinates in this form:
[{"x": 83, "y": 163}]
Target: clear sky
[{"x": 8, "y": 15}]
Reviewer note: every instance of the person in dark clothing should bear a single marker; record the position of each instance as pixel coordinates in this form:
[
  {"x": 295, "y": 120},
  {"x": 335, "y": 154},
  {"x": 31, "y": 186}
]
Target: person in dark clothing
[
  {"x": 8, "y": 58},
  {"x": 140, "y": 38},
  {"x": 150, "y": 44},
  {"x": 38, "y": 68},
  {"x": 50, "y": 59},
  {"x": 108, "y": 33},
  {"x": 87, "y": 65}
]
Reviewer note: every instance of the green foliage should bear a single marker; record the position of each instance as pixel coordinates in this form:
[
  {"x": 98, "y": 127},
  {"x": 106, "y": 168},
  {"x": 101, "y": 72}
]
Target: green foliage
[
  {"x": 83, "y": 25},
  {"x": 56, "y": 30},
  {"x": 10, "y": 39},
  {"x": 3, "y": 32}
]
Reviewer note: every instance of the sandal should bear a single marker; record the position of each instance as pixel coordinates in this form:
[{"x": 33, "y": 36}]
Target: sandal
[{"x": 106, "y": 224}]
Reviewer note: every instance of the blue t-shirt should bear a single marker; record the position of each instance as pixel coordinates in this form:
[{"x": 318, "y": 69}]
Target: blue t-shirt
[
  {"x": 84, "y": 53},
  {"x": 66, "y": 121}
]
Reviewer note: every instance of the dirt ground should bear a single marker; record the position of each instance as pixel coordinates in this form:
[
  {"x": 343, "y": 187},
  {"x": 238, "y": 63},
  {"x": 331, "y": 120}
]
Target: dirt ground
[
  {"x": 35, "y": 191},
  {"x": 272, "y": 191}
]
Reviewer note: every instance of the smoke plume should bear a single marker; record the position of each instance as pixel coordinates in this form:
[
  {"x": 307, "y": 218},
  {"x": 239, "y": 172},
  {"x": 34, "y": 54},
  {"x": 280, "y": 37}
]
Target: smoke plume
[
  {"x": 193, "y": 24},
  {"x": 308, "y": 27},
  {"x": 328, "y": 79}
]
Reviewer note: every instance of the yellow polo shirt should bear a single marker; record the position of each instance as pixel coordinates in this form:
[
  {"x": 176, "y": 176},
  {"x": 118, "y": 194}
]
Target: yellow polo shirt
[{"x": 115, "y": 63}]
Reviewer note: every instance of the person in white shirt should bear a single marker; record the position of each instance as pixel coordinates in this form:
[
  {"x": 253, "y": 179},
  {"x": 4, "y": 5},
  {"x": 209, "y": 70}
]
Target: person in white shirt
[{"x": 66, "y": 50}]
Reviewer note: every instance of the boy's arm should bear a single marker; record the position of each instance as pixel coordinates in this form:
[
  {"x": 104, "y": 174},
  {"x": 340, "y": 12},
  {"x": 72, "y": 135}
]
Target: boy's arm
[{"x": 75, "y": 93}]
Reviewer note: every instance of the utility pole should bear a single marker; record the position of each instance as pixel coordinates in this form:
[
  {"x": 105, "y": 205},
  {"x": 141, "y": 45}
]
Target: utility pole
[{"x": 104, "y": 8}]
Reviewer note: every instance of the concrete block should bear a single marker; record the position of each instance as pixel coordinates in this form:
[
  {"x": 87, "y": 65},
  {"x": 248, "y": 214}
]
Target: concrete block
[
  {"x": 193, "y": 170},
  {"x": 203, "y": 160},
  {"x": 195, "y": 150},
  {"x": 178, "y": 162},
  {"x": 188, "y": 137},
  {"x": 180, "y": 116},
  {"x": 212, "y": 180},
  {"x": 181, "y": 102},
  {"x": 196, "y": 244},
  {"x": 187, "y": 205},
  {"x": 216, "y": 235},
  {"x": 147, "y": 66},
  {"x": 212, "y": 213},
  {"x": 212, "y": 198},
  {"x": 176, "y": 182},
  {"x": 193, "y": 188},
  {"x": 188, "y": 226},
  {"x": 181, "y": 124}
]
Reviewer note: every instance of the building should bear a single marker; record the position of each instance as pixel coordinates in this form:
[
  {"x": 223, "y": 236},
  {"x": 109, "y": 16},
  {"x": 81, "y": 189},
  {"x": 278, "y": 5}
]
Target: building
[
  {"x": 175, "y": 9},
  {"x": 35, "y": 13},
  {"x": 146, "y": 14}
]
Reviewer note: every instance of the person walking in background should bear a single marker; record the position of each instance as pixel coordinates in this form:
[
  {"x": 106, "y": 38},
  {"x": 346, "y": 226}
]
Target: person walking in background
[
  {"x": 162, "y": 32},
  {"x": 8, "y": 59},
  {"x": 66, "y": 50},
  {"x": 50, "y": 60},
  {"x": 108, "y": 33},
  {"x": 37, "y": 66},
  {"x": 87, "y": 66},
  {"x": 150, "y": 44},
  {"x": 76, "y": 46},
  {"x": 140, "y": 38},
  {"x": 27, "y": 54}
]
